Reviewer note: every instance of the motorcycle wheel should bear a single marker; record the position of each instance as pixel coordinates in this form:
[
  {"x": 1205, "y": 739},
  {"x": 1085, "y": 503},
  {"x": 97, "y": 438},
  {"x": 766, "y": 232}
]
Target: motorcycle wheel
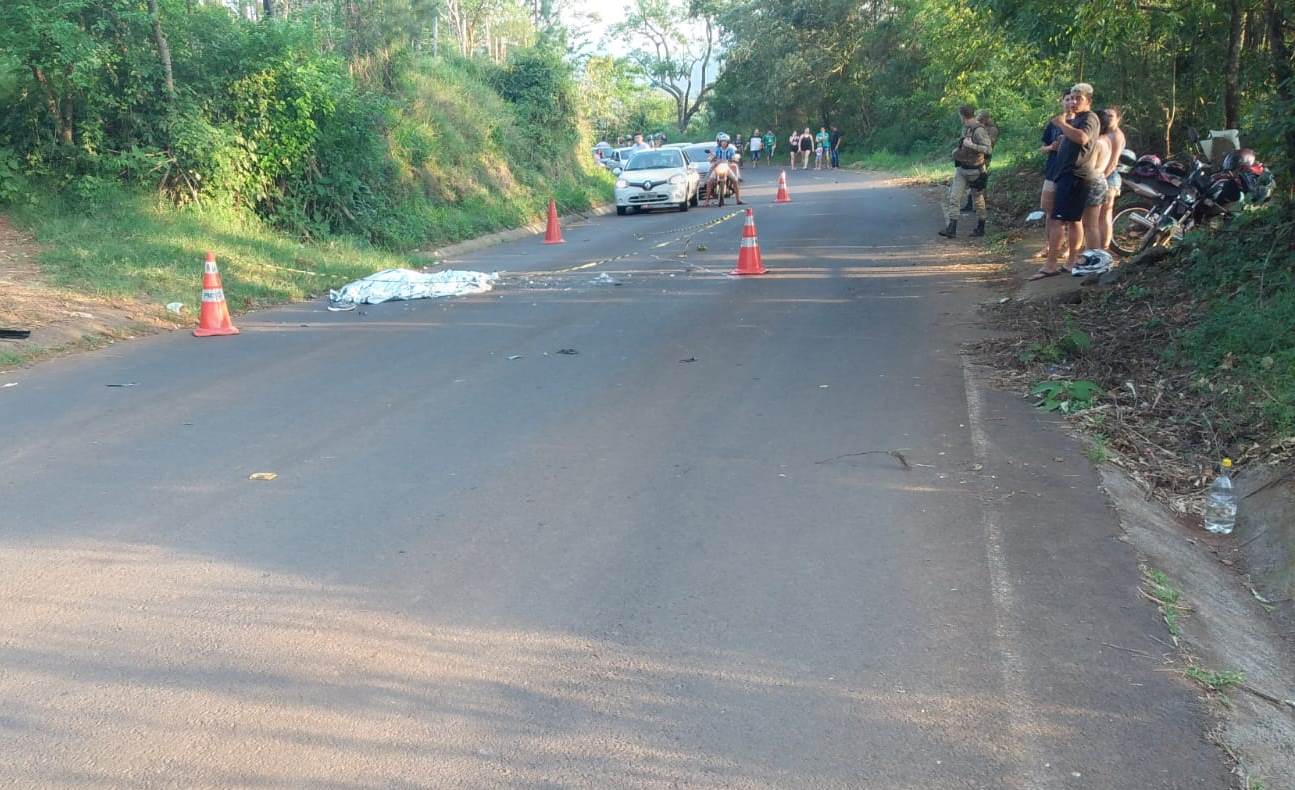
[
  {"x": 1129, "y": 226},
  {"x": 722, "y": 189},
  {"x": 1156, "y": 237}
]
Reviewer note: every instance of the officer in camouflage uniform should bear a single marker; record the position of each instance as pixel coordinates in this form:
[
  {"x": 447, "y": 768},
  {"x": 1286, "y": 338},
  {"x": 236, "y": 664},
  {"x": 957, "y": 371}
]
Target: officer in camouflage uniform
[{"x": 969, "y": 166}]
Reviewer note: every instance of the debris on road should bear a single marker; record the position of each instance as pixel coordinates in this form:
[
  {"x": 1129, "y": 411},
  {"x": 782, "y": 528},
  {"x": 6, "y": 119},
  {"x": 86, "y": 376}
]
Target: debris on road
[
  {"x": 262, "y": 476},
  {"x": 403, "y": 284},
  {"x": 10, "y": 384},
  {"x": 516, "y": 356},
  {"x": 127, "y": 384},
  {"x": 568, "y": 351},
  {"x": 686, "y": 361},
  {"x": 175, "y": 308},
  {"x": 896, "y": 454},
  {"x": 15, "y": 334}
]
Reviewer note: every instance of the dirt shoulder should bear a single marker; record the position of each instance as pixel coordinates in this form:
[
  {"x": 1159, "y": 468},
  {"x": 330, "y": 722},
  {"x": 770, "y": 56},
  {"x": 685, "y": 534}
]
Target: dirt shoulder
[
  {"x": 1154, "y": 430},
  {"x": 60, "y": 320}
]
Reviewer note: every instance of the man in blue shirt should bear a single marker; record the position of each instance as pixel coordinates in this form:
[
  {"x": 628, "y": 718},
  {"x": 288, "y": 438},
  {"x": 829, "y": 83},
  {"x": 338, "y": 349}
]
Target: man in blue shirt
[
  {"x": 1050, "y": 142},
  {"x": 1073, "y": 176}
]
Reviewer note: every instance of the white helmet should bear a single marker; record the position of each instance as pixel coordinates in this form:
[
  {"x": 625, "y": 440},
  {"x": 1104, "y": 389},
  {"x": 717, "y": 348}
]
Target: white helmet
[{"x": 722, "y": 137}]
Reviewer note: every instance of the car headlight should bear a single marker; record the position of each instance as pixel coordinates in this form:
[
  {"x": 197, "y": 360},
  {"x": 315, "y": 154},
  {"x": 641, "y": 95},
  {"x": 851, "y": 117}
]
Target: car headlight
[
  {"x": 621, "y": 183},
  {"x": 677, "y": 178}
]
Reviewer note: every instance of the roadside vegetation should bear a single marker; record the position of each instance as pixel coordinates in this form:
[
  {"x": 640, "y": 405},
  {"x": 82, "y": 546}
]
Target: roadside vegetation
[{"x": 323, "y": 143}]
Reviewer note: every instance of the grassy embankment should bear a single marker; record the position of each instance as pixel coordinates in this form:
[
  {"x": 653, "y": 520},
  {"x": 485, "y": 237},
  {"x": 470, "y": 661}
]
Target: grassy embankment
[
  {"x": 454, "y": 145},
  {"x": 1195, "y": 354}
]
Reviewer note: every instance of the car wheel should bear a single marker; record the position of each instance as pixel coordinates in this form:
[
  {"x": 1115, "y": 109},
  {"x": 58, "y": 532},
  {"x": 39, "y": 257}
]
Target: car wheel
[
  {"x": 684, "y": 205},
  {"x": 621, "y": 210},
  {"x": 696, "y": 198}
]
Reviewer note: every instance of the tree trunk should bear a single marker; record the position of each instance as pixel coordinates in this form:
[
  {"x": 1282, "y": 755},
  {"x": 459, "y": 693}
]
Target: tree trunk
[
  {"x": 163, "y": 49},
  {"x": 268, "y": 5},
  {"x": 1285, "y": 76},
  {"x": 1231, "y": 79}
]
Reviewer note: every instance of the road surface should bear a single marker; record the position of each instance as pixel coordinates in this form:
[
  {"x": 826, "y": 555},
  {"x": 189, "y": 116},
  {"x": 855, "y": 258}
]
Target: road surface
[{"x": 682, "y": 556}]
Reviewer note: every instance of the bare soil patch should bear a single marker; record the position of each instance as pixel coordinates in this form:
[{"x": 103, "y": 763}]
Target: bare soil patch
[{"x": 59, "y": 319}]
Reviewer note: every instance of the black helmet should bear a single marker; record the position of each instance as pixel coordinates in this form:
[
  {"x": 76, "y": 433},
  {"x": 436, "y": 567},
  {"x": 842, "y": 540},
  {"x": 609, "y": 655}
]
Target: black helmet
[
  {"x": 1226, "y": 193},
  {"x": 1147, "y": 166},
  {"x": 1235, "y": 160}
]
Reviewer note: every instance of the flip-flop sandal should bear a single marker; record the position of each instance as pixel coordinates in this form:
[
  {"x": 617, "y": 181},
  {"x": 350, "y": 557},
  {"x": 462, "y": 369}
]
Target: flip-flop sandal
[{"x": 1043, "y": 274}]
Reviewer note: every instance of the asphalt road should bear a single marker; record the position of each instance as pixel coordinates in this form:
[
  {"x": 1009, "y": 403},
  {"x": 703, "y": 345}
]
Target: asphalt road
[{"x": 679, "y": 557}]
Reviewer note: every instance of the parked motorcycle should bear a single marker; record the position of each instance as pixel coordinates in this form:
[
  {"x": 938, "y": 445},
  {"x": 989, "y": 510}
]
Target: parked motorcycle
[{"x": 1178, "y": 199}]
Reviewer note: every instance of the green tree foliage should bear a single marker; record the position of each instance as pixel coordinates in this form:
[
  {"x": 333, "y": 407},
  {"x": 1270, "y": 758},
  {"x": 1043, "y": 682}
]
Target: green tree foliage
[
  {"x": 321, "y": 119},
  {"x": 618, "y": 102},
  {"x": 891, "y": 71},
  {"x": 675, "y": 50}
]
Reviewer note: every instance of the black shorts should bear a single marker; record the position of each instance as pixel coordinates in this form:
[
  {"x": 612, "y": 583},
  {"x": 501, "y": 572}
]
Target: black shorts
[{"x": 1072, "y": 196}]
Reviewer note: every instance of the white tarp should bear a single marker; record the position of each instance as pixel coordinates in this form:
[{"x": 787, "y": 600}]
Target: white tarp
[{"x": 396, "y": 284}]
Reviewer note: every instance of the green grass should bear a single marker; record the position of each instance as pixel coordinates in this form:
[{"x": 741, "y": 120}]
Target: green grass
[
  {"x": 1098, "y": 452},
  {"x": 923, "y": 166},
  {"x": 1243, "y": 278},
  {"x": 1160, "y": 589},
  {"x": 1212, "y": 680},
  {"x": 138, "y": 247}
]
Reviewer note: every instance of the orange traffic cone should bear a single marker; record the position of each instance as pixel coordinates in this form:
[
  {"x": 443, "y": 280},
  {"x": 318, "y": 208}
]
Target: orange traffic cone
[
  {"x": 783, "y": 195},
  {"x": 748, "y": 257},
  {"x": 214, "y": 316},
  {"x": 553, "y": 234}
]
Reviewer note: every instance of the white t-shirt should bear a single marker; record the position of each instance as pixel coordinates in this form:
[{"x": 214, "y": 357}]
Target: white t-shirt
[
  {"x": 642, "y": 146},
  {"x": 757, "y": 142}
]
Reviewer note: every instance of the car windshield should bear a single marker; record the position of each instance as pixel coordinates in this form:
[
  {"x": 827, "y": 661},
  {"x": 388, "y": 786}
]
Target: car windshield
[
  {"x": 655, "y": 160},
  {"x": 698, "y": 153}
]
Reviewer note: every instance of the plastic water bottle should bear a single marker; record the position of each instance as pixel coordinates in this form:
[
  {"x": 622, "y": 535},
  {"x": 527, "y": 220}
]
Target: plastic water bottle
[{"x": 1221, "y": 502}]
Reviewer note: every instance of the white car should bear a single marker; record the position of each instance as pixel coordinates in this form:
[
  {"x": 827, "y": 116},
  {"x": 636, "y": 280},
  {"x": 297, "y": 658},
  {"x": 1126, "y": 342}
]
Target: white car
[{"x": 654, "y": 179}]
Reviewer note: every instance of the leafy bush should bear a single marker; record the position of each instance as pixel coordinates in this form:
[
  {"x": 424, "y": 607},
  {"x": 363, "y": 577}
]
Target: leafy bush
[
  {"x": 269, "y": 118},
  {"x": 1065, "y": 396}
]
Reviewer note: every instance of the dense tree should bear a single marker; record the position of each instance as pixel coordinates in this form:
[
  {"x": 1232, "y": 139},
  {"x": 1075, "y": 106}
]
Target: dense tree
[
  {"x": 893, "y": 70},
  {"x": 676, "y": 49}
]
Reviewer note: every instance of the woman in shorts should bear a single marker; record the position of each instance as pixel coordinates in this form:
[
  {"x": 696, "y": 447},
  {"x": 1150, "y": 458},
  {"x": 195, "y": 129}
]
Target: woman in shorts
[
  {"x": 1097, "y": 188},
  {"x": 1115, "y": 136},
  {"x": 793, "y": 146},
  {"x": 806, "y": 146}
]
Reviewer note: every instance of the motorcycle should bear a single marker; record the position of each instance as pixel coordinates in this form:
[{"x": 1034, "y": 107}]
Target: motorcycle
[
  {"x": 725, "y": 180},
  {"x": 1180, "y": 199}
]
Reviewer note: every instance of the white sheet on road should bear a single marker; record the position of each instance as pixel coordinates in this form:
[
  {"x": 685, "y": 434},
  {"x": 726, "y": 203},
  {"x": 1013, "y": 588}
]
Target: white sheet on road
[{"x": 396, "y": 284}]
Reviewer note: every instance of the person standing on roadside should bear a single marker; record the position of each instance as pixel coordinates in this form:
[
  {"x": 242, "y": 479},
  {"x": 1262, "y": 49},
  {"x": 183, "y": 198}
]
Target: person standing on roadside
[
  {"x": 756, "y": 146},
  {"x": 770, "y": 144},
  {"x": 986, "y": 120},
  {"x": 806, "y": 147},
  {"x": 793, "y": 147},
  {"x": 968, "y": 167},
  {"x": 836, "y": 147},
  {"x": 1095, "y": 182},
  {"x": 823, "y": 145},
  {"x": 1115, "y": 136},
  {"x": 1076, "y": 179},
  {"x": 1051, "y": 141}
]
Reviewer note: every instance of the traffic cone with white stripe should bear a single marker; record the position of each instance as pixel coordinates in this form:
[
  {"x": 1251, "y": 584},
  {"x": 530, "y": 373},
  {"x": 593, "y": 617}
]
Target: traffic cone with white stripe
[
  {"x": 783, "y": 195},
  {"x": 213, "y": 319},
  {"x": 748, "y": 256},
  {"x": 553, "y": 233}
]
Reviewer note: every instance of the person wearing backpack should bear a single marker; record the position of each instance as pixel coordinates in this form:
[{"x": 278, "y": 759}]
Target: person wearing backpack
[{"x": 968, "y": 167}]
